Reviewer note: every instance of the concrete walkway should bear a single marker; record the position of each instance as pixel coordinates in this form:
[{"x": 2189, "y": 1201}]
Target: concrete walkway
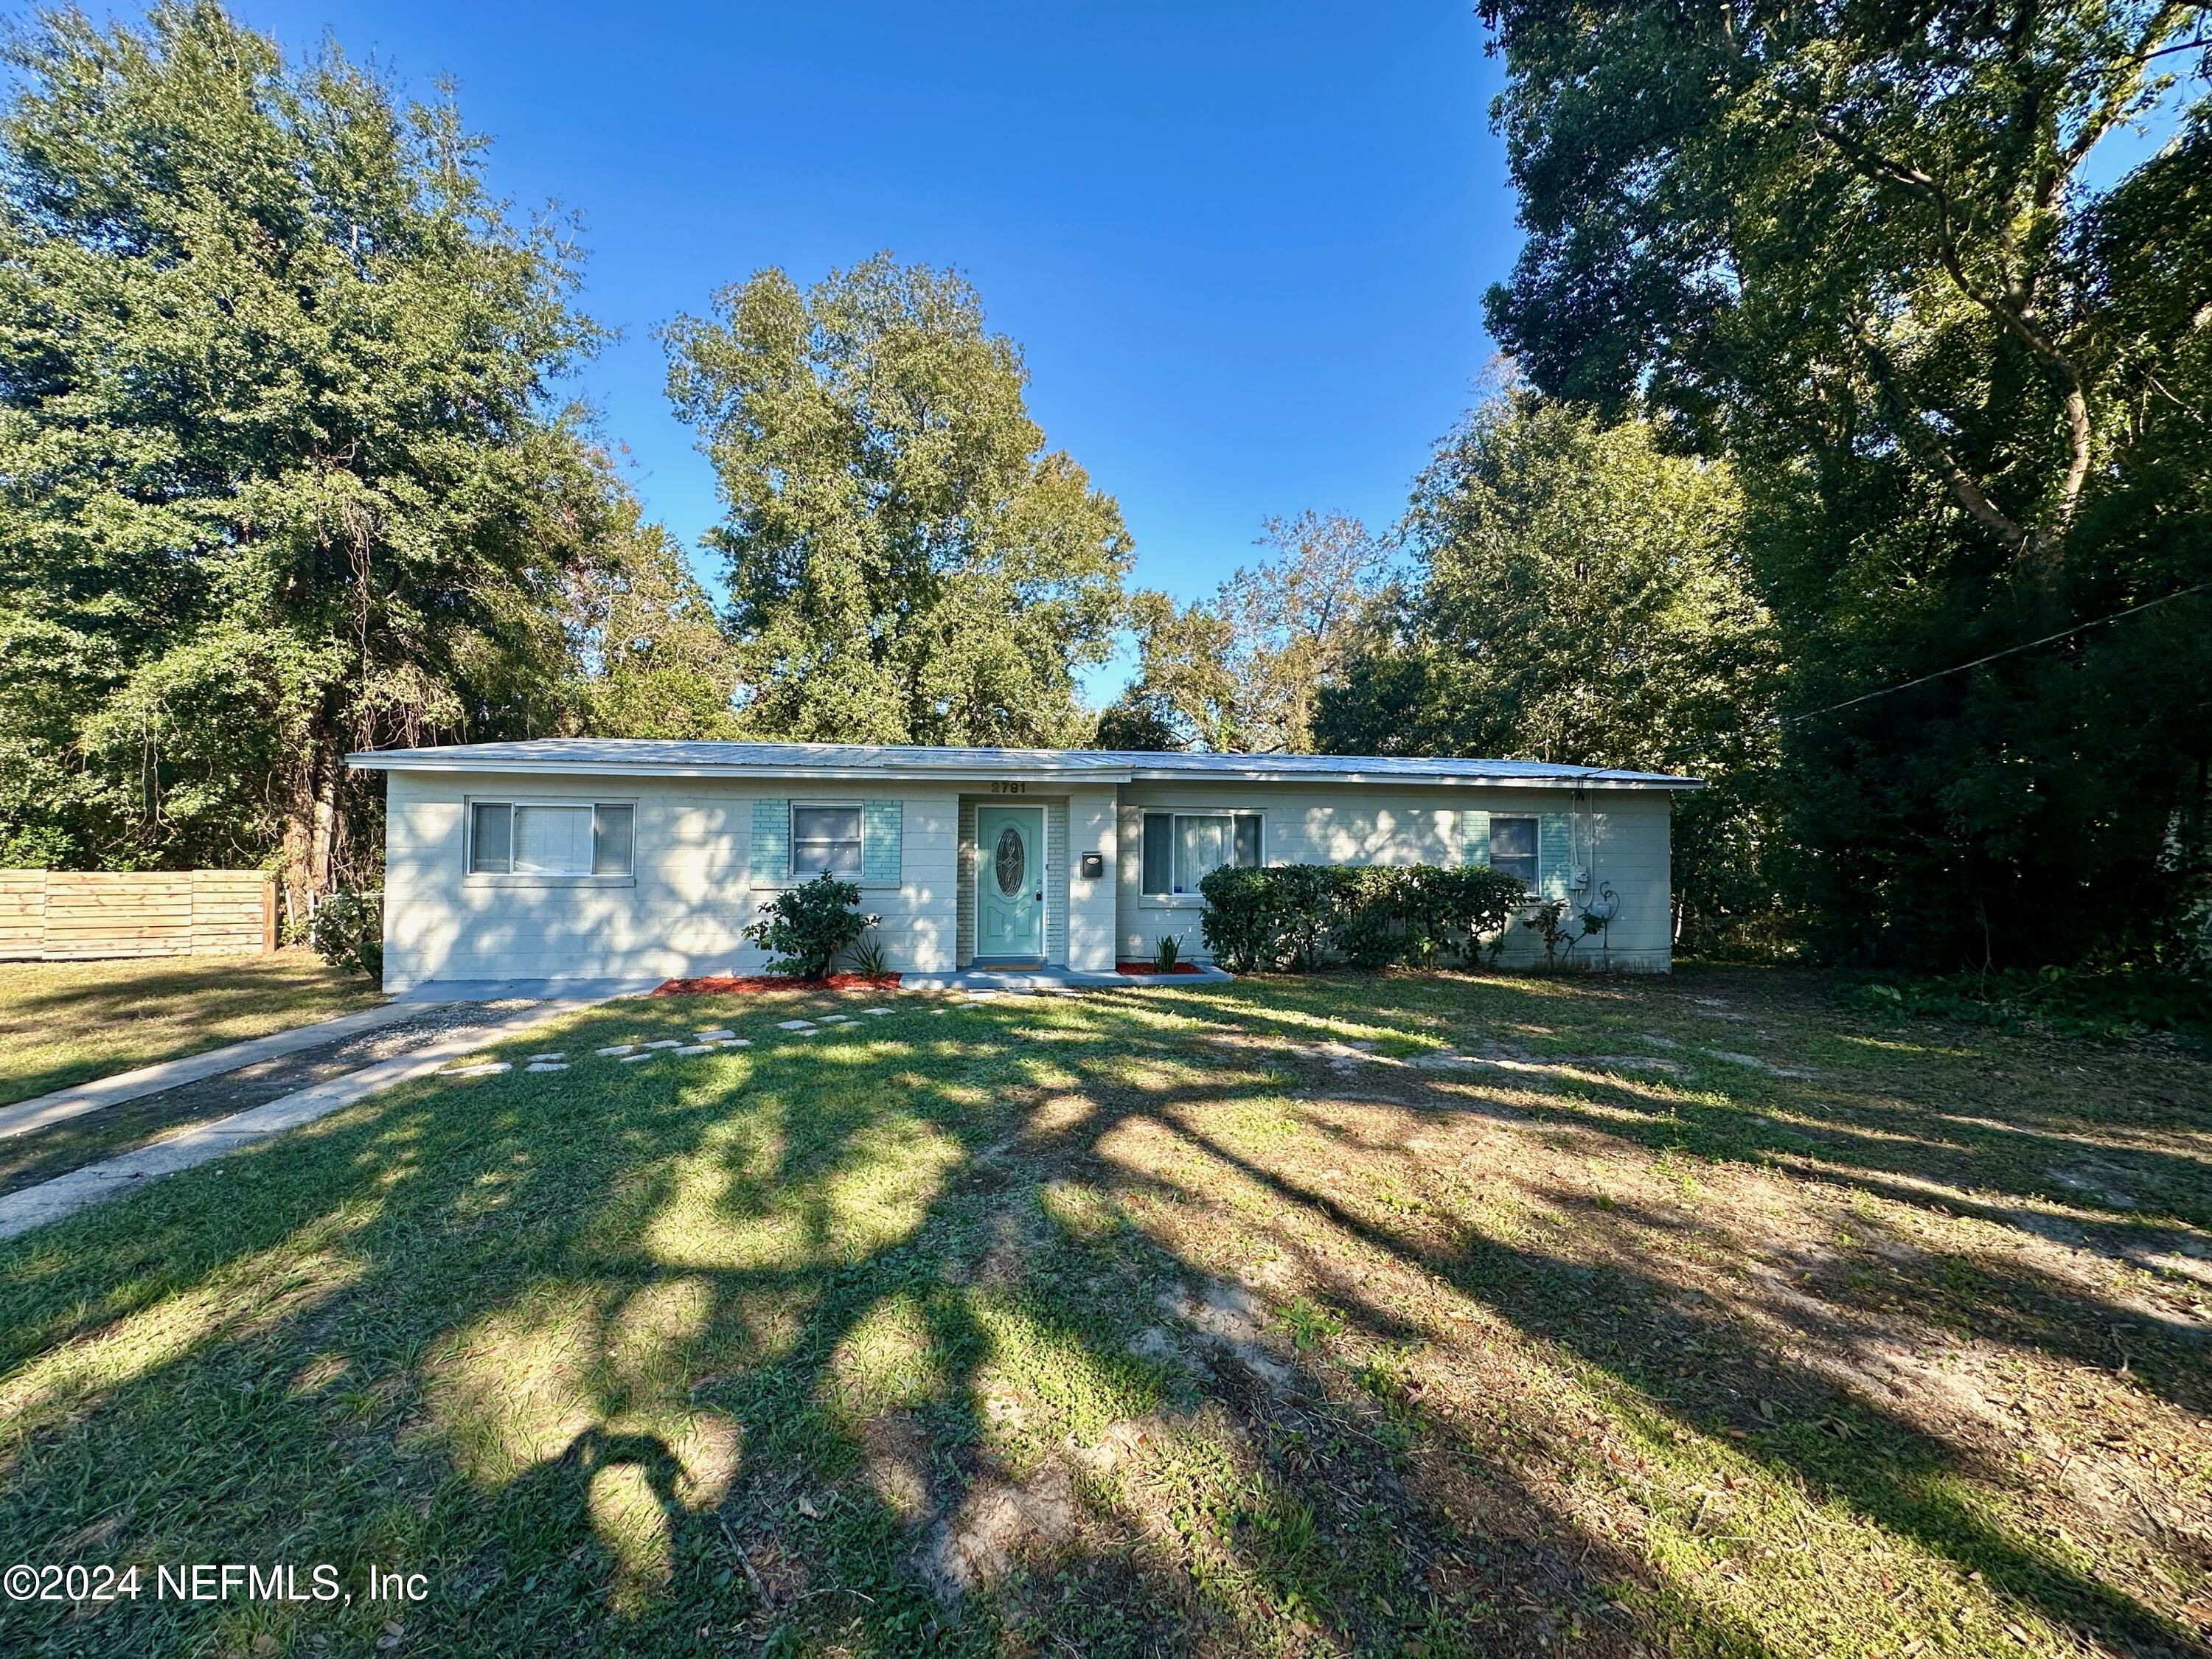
[
  {"x": 49, "y": 1200},
  {"x": 64, "y": 1104}
]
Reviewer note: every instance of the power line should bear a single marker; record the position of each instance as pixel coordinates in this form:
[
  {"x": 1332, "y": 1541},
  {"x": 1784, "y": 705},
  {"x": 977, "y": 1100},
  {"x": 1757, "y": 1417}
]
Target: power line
[{"x": 1941, "y": 673}]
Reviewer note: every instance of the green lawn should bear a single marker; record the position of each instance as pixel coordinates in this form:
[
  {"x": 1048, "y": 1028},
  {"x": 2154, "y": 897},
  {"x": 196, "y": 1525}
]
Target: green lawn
[
  {"x": 1696, "y": 1316},
  {"x": 69, "y": 1022}
]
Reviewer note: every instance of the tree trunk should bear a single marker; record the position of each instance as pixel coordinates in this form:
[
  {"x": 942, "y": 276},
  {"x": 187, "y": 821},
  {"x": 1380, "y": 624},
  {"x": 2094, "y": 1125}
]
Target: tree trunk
[{"x": 311, "y": 824}]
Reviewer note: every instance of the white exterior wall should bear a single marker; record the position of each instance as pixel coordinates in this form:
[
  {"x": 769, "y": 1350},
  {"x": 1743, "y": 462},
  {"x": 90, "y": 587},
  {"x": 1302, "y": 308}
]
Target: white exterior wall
[
  {"x": 1620, "y": 837},
  {"x": 1093, "y": 823},
  {"x": 683, "y": 912}
]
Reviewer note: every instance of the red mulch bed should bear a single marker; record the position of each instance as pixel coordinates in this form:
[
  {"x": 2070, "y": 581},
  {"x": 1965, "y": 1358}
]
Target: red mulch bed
[
  {"x": 747, "y": 984},
  {"x": 1148, "y": 967}
]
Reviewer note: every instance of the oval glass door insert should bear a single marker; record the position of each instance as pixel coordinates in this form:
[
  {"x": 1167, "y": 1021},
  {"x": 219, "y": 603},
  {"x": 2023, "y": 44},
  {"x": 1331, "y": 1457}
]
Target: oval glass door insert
[{"x": 1012, "y": 863}]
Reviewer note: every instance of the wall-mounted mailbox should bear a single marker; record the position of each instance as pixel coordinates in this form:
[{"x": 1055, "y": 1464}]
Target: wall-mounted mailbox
[{"x": 1094, "y": 866}]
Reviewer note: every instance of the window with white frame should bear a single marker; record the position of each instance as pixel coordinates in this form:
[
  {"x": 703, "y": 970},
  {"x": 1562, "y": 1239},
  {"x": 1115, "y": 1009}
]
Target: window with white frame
[
  {"x": 825, "y": 839},
  {"x": 1181, "y": 848},
  {"x": 550, "y": 838},
  {"x": 1513, "y": 848}
]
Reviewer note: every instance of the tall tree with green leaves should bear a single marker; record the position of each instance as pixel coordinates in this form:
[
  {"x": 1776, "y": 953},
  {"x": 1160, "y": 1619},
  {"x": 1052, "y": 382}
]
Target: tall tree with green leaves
[
  {"x": 279, "y": 474},
  {"x": 650, "y": 658},
  {"x": 1242, "y": 669},
  {"x": 1865, "y": 253},
  {"x": 1580, "y": 595},
  {"x": 907, "y": 561}
]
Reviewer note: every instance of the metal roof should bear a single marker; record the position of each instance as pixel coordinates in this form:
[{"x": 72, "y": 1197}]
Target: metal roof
[{"x": 658, "y": 757}]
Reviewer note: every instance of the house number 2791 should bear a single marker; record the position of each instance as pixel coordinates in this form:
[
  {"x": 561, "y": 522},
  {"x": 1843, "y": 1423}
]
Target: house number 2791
[{"x": 1010, "y": 788}]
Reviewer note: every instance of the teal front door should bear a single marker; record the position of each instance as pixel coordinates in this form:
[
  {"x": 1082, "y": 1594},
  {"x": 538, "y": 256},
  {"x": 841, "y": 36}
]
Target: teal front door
[{"x": 1010, "y": 882}]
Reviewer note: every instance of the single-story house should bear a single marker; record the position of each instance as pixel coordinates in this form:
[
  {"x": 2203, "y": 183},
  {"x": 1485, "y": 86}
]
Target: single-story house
[{"x": 606, "y": 858}]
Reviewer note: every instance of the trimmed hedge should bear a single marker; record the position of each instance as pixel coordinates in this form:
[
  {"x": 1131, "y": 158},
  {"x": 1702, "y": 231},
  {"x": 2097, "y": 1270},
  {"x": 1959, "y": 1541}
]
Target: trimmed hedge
[{"x": 1297, "y": 915}]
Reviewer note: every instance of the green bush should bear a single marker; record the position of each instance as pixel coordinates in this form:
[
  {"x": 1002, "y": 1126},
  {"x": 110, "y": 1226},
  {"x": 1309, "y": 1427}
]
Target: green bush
[
  {"x": 805, "y": 929},
  {"x": 1297, "y": 915},
  {"x": 348, "y": 932}
]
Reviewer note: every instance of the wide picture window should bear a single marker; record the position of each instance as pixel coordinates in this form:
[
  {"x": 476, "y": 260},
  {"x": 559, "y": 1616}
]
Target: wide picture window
[
  {"x": 1182, "y": 848},
  {"x": 528, "y": 838}
]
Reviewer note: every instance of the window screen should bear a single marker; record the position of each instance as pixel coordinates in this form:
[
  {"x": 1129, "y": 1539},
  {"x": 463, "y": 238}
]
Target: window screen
[
  {"x": 552, "y": 840},
  {"x": 611, "y": 840},
  {"x": 1182, "y": 848},
  {"x": 1159, "y": 852},
  {"x": 491, "y": 842},
  {"x": 1248, "y": 841},
  {"x": 826, "y": 839},
  {"x": 520, "y": 838},
  {"x": 1513, "y": 848}
]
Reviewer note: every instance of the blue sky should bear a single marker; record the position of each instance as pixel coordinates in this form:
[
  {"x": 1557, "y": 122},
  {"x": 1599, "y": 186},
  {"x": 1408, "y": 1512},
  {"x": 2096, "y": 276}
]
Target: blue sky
[{"x": 1243, "y": 248}]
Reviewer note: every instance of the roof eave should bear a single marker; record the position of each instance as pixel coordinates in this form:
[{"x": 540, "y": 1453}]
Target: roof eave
[
  {"x": 1459, "y": 779},
  {"x": 401, "y": 760},
  {"x": 414, "y": 761}
]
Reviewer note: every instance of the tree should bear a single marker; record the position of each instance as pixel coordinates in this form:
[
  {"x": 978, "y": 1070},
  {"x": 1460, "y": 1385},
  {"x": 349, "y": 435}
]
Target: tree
[
  {"x": 1861, "y": 224},
  {"x": 279, "y": 474},
  {"x": 907, "y": 563},
  {"x": 1242, "y": 671},
  {"x": 1136, "y": 720},
  {"x": 1860, "y": 253},
  {"x": 650, "y": 657},
  {"x": 1582, "y": 596}
]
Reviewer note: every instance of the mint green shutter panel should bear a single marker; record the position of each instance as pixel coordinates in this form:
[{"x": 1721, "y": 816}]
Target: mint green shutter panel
[
  {"x": 881, "y": 829},
  {"x": 1474, "y": 837},
  {"x": 1555, "y": 853},
  {"x": 771, "y": 851}
]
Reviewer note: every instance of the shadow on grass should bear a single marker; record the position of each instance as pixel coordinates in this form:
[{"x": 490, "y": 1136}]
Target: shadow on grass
[
  {"x": 63, "y": 1024},
  {"x": 815, "y": 1346}
]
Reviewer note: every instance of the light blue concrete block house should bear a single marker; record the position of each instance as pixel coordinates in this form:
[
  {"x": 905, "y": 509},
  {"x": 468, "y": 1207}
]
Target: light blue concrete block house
[{"x": 632, "y": 859}]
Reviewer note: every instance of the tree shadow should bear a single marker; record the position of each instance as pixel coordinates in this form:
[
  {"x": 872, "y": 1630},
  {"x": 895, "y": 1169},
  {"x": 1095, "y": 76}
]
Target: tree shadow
[{"x": 747, "y": 1357}]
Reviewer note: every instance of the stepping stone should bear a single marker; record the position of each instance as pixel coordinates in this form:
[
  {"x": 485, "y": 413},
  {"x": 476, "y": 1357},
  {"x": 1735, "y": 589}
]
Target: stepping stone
[
  {"x": 547, "y": 1065},
  {"x": 534, "y": 1059},
  {"x": 632, "y": 1060},
  {"x": 484, "y": 1069},
  {"x": 879, "y": 1012},
  {"x": 795, "y": 1025},
  {"x": 733, "y": 1043},
  {"x": 836, "y": 1019},
  {"x": 667, "y": 1042},
  {"x": 696, "y": 1048},
  {"x": 616, "y": 1049},
  {"x": 710, "y": 1037}
]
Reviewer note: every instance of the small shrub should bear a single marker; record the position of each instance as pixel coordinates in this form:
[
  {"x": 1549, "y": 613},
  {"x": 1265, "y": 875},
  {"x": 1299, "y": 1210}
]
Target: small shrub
[
  {"x": 805, "y": 929},
  {"x": 1242, "y": 925},
  {"x": 1295, "y": 915},
  {"x": 1549, "y": 923},
  {"x": 1369, "y": 931},
  {"x": 1167, "y": 953},
  {"x": 868, "y": 956},
  {"x": 348, "y": 932},
  {"x": 1268, "y": 920}
]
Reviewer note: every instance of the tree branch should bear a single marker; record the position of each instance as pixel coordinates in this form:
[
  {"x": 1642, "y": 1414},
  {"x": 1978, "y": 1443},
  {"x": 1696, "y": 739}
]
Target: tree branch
[
  {"x": 1913, "y": 430},
  {"x": 2014, "y": 313}
]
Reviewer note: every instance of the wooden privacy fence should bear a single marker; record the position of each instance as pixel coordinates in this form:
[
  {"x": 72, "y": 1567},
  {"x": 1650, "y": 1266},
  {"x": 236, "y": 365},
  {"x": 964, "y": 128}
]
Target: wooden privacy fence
[{"x": 60, "y": 915}]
